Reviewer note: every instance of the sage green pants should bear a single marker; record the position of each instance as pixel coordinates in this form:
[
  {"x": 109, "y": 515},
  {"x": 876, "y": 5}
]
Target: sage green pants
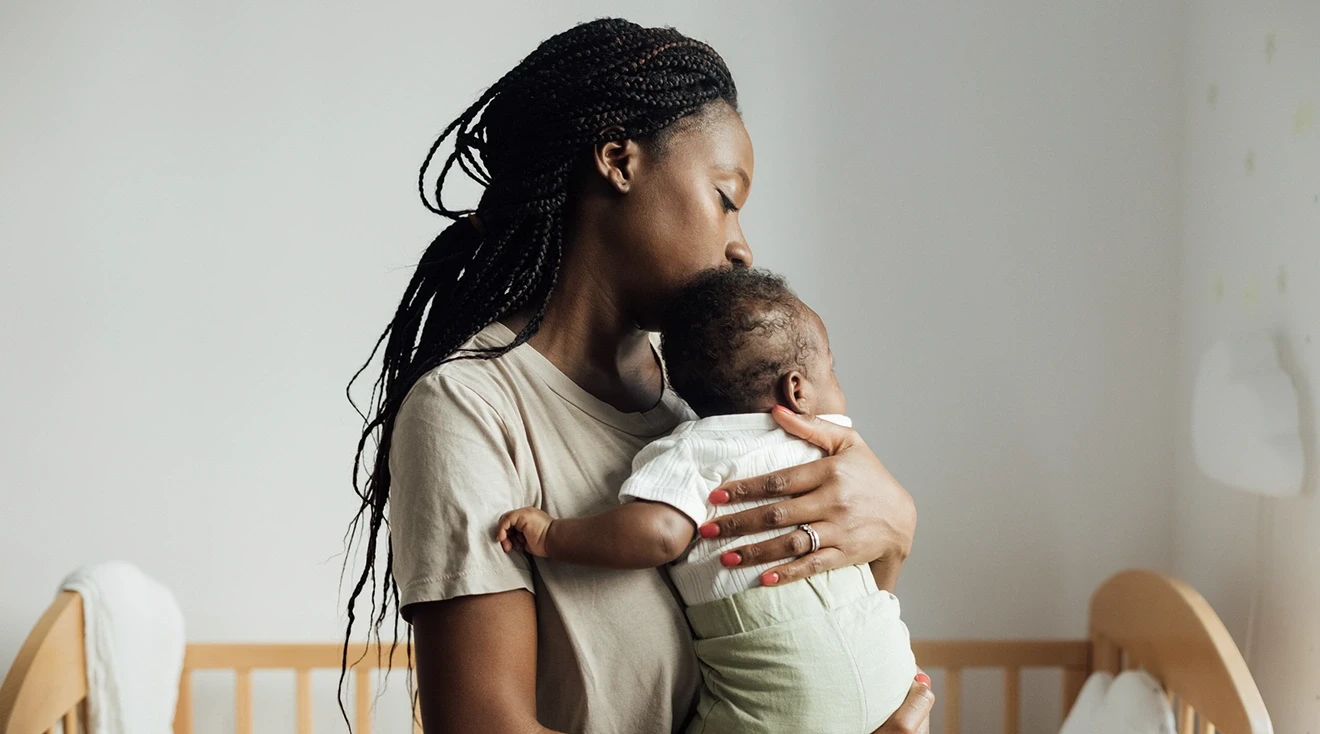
[{"x": 824, "y": 655}]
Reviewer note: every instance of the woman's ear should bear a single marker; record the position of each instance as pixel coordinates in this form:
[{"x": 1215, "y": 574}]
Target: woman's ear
[
  {"x": 795, "y": 392},
  {"x": 616, "y": 161}
]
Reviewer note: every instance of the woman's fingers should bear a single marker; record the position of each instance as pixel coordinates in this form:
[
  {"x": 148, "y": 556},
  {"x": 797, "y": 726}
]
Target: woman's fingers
[
  {"x": 766, "y": 517},
  {"x": 788, "y": 545},
  {"x": 913, "y": 717},
  {"x": 775, "y": 485},
  {"x": 825, "y": 559},
  {"x": 829, "y": 436}
]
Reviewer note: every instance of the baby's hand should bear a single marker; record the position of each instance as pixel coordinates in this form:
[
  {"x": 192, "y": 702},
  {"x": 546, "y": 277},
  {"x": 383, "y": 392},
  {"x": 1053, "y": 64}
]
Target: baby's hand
[{"x": 526, "y": 529}]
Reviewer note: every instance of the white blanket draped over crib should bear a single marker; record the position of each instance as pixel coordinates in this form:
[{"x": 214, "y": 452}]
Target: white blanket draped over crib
[
  {"x": 135, "y": 644},
  {"x": 1132, "y": 703}
]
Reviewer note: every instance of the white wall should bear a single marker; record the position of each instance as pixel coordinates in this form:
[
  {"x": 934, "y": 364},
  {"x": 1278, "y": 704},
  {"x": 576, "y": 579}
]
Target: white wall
[
  {"x": 1245, "y": 224},
  {"x": 1007, "y": 193},
  {"x": 209, "y": 212}
]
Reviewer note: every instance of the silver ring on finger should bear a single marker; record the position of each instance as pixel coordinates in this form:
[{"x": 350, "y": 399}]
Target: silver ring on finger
[{"x": 812, "y": 534}]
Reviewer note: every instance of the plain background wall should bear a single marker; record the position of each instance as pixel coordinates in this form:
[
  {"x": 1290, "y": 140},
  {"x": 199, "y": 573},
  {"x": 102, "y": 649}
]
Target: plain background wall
[
  {"x": 209, "y": 212},
  {"x": 1251, "y": 259}
]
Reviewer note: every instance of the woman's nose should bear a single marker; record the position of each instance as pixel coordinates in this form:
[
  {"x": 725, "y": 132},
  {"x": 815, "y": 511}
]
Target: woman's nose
[{"x": 738, "y": 253}]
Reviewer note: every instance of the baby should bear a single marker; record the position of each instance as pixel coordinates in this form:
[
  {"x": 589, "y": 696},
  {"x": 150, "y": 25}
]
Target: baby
[{"x": 826, "y": 654}]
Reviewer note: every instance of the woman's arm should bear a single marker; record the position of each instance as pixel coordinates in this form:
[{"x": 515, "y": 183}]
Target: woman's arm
[
  {"x": 862, "y": 514},
  {"x": 634, "y": 535},
  {"x": 476, "y": 663}
]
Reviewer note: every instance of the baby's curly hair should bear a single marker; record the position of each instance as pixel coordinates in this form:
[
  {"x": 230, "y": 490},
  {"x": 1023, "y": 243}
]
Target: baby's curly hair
[{"x": 729, "y": 335}]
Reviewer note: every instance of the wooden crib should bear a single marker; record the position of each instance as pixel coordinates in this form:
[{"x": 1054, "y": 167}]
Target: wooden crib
[{"x": 1138, "y": 619}]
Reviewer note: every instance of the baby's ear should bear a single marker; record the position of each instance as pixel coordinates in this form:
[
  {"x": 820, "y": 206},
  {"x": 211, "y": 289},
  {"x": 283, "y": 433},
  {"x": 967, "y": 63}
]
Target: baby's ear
[{"x": 795, "y": 392}]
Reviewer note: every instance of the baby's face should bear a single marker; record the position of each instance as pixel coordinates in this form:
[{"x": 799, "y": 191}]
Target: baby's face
[{"x": 827, "y": 395}]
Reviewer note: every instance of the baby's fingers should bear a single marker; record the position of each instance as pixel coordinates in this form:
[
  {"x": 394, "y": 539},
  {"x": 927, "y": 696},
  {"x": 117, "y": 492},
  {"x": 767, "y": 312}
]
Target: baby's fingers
[{"x": 508, "y": 528}]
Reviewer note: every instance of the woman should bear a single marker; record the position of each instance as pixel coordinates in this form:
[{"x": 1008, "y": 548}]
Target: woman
[{"x": 518, "y": 370}]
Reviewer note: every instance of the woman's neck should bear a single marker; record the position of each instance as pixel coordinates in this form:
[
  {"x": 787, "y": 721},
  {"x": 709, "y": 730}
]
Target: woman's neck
[{"x": 589, "y": 337}]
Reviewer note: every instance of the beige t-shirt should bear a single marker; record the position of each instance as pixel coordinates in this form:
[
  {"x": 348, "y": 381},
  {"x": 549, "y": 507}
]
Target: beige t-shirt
[{"x": 477, "y": 438}]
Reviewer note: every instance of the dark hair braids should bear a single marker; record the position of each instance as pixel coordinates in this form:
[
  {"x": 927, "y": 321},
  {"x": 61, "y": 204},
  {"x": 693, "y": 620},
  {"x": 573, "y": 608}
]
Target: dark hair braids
[{"x": 607, "y": 80}]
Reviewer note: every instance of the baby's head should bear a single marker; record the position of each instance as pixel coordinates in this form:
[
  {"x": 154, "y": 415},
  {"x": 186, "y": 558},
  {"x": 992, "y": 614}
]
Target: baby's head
[{"x": 739, "y": 341}]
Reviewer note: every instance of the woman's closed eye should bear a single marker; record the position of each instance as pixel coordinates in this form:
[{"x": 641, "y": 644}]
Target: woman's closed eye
[{"x": 726, "y": 202}]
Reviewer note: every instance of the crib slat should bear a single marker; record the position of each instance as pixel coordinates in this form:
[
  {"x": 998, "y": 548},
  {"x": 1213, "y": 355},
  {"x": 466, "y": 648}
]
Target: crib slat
[
  {"x": 953, "y": 701},
  {"x": 362, "y": 707},
  {"x": 243, "y": 701},
  {"x": 1073, "y": 680},
  {"x": 1108, "y": 656},
  {"x": 1206, "y": 727},
  {"x": 1012, "y": 702},
  {"x": 71, "y": 721},
  {"x": 304, "y": 693},
  {"x": 417, "y": 715},
  {"x": 1186, "y": 718},
  {"x": 183, "y": 714}
]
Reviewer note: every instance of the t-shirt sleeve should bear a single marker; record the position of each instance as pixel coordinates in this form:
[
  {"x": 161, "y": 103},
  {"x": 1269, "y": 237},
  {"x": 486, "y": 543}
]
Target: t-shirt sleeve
[
  {"x": 452, "y": 476},
  {"x": 667, "y": 470}
]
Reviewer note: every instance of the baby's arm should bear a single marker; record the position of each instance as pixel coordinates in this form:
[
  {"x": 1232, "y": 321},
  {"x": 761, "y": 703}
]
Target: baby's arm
[
  {"x": 662, "y": 503},
  {"x": 634, "y": 535}
]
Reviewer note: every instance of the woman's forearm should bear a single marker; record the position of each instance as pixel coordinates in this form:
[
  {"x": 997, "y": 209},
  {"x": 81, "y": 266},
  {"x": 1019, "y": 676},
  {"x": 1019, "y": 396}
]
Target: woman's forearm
[{"x": 630, "y": 536}]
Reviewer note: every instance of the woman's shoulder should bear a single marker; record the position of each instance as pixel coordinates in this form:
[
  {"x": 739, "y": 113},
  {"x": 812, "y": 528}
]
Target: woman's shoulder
[{"x": 468, "y": 381}]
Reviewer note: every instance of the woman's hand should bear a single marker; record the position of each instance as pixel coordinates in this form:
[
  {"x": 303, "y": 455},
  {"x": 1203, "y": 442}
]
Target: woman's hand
[
  {"x": 861, "y": 513},
  {"x": 913, "y": 717}
]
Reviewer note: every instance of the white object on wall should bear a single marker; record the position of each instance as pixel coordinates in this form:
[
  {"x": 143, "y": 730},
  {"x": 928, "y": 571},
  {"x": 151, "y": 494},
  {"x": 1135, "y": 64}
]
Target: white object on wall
[{"x": 1245, "y": 417}]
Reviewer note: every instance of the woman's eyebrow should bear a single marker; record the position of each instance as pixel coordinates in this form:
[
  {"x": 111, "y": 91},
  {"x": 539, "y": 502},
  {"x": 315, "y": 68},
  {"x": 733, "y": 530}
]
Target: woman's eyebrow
[{"x": 746, "y": 179}]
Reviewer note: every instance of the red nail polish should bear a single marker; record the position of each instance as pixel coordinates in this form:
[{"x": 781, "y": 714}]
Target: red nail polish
[
  {"x": 769, "y": 578},
  {"x": 923, "y": 679},
  {"x": 709, "y": 530},
  {"x": 719, "y": 497},
  {"x": 730, "y": 559}
]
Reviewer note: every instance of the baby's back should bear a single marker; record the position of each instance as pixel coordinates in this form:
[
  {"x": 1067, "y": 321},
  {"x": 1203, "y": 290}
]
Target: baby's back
[
  {"x": 828, "y": 654},
  {"x": 683, "y": 468}
]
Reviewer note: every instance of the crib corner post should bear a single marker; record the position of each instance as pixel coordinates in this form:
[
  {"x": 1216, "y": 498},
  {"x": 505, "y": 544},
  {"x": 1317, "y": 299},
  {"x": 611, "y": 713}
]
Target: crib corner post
[{"x": 183, "y": 710}]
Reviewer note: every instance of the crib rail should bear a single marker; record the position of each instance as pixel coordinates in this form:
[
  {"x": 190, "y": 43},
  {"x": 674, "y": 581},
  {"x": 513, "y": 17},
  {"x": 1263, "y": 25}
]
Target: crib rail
[
  {"x": 1138, "y": 619},
  {"x": 1012, "y": 657},
  {"x": 364, "y": 662},
  {"x": 950, "y": 656}
]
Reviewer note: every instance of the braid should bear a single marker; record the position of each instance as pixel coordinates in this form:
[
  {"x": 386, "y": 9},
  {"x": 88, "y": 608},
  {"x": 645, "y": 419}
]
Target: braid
[{"x": 607, "y": 80}]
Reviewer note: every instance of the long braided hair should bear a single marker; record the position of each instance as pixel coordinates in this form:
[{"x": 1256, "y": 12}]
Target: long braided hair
[{"x": 607, "y": 80}]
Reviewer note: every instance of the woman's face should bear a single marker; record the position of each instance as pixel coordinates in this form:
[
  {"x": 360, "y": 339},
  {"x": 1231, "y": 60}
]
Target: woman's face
[{"x": 678, "y": 212}]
